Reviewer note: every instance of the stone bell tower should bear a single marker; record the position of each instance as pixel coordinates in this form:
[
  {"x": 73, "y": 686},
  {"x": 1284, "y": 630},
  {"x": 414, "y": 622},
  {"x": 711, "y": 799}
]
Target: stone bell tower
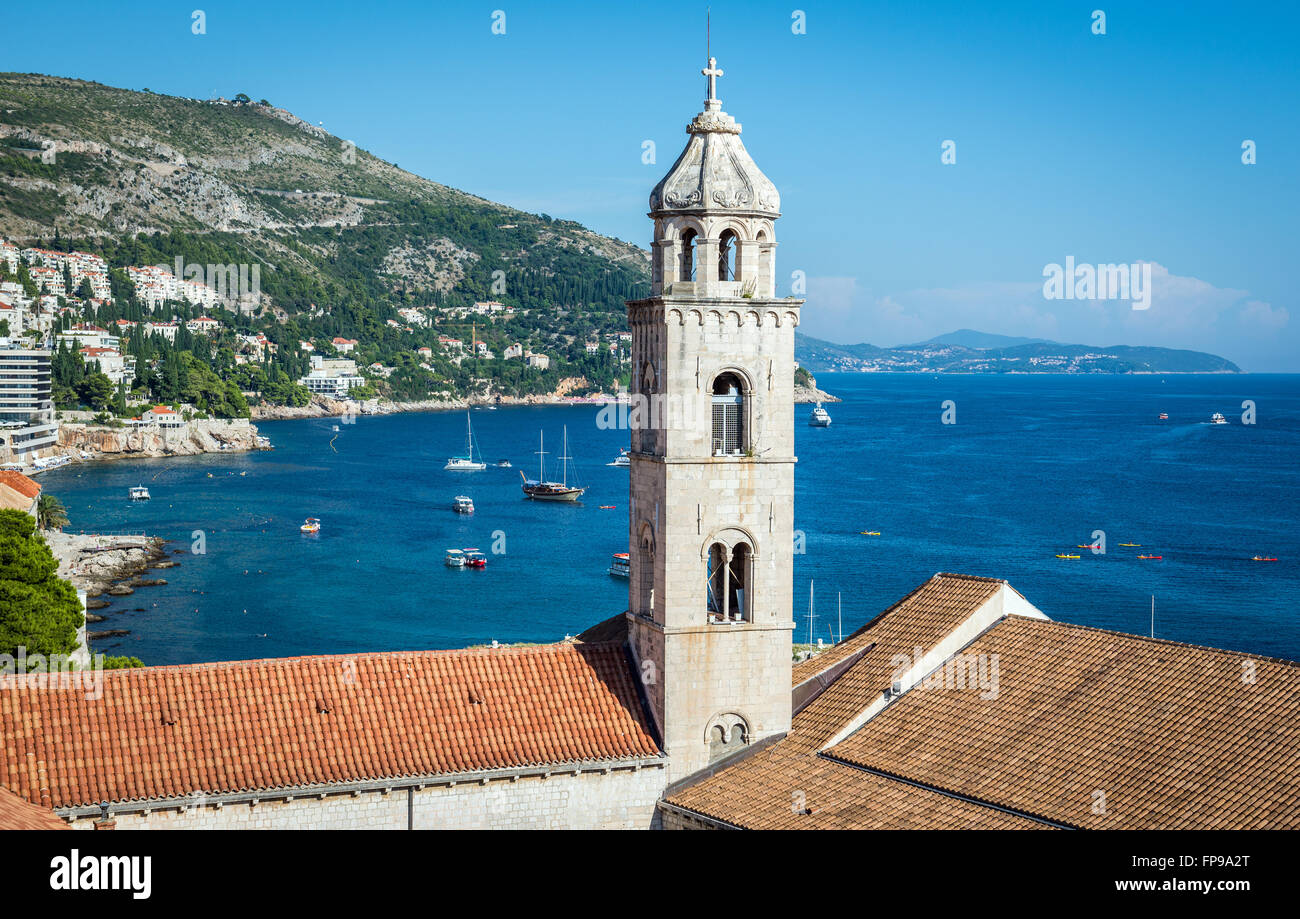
[{"x": 712, "y": 468}]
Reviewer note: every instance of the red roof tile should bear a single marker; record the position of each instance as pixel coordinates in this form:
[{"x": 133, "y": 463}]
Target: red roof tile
[
  {"x": 17, "y": 814},
  {"x": 163, "y": 732},
  {"x": 1172, "y": 735},
  {"x": 20, "y": 483}
]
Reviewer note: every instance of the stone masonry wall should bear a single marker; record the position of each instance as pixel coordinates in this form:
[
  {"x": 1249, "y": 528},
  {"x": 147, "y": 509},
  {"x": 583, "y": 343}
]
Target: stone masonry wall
[{"x": 622, "y": 799}]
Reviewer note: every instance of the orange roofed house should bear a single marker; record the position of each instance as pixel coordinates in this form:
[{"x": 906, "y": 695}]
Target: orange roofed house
[
  {"x": 18, "y": 492},
  {"x": 960, "y": 706}
]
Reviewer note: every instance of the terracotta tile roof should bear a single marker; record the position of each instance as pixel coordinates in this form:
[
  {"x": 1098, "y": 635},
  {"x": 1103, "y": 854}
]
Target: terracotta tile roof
[
  {"x": 19, "y": 483},
  {"x": 764, "y": 792},
  {"x": 921, "y": 619},
  {"x": 1174, "y": 735},
  {"x": 164, "y": 732},
  {"x": 17, "y": 814}
]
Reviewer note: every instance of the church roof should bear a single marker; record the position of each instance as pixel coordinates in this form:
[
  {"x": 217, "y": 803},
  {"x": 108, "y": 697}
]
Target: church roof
[
  {"x": 167, "y": 732},
  {"x": 714, "y": 172},
  {"x": 17, "y": 814},
  {"x": 1085, "y": 728}
]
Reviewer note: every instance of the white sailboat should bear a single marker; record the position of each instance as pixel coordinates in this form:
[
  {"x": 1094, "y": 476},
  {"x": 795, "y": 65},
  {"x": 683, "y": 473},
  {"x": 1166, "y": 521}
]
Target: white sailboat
[{"x": 466, "y": 463}]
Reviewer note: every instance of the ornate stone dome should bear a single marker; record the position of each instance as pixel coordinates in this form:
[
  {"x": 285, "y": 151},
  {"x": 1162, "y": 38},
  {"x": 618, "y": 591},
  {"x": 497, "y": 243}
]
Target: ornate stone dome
[{"x": 714, "y": 173}]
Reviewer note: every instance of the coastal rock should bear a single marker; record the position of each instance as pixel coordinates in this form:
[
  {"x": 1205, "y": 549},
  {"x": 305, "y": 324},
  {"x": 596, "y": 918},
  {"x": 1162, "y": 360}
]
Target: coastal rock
[
  {"x": 120, "y": 590},
  {"x": 207, "y": 435},
  {"x": 111, "y": 633}
]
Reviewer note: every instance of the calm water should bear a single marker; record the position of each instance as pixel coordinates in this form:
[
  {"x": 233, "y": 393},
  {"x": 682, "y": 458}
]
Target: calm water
[{"x": 1032, "y": 467}]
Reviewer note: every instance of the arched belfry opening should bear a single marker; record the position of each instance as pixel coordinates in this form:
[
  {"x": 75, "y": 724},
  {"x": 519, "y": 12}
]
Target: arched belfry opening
[
  {"x": 727, "y": 574},
  {"x": 688, "y": 255},
  {"x": 728, "y": 404},
  {"x": 728, "y": 256}
]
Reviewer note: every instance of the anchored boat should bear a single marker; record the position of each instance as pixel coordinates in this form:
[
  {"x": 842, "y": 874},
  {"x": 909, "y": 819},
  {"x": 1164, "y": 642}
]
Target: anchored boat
[
  {"x": 463, "y": 504},
  {"x": 311, "y": 526},
  {"x": 620, "y": 566},
  {"x": 466, "y": 463},
  {"x": 542, "y": 490},
  {"x": 820, "y": 418},
  {"x": 139, "y": 493}
]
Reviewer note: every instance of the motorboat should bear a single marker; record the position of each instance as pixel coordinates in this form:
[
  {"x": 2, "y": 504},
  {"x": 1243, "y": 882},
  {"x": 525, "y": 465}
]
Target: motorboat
[
  {"x": 475, "y": 559},
  {"x": 542, "y": 490},
  {"x": 463, "y": 504},
  {"x": 311, "y": 526},
  {"x": 621, "y": 460},
  {"x": 620, "y": 567},
  {"x": 1164, "y": 416},
  {"x": 138, "y": 493},
  {"x": 503, "y": 464},
  {"x": 819, "y": 418},
  {"x": 1217, "y": 418},
  {"x": 455, "y": 558}
]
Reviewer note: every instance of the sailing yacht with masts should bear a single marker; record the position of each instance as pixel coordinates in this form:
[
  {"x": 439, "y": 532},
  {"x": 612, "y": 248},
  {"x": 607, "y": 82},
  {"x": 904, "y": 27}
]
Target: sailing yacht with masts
[
  {"x": 466, "y": 463},
  {"x": 542, "y": 490}
]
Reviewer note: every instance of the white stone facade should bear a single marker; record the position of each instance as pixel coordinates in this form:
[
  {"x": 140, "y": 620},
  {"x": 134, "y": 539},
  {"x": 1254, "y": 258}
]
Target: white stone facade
[{"x": 618, "y": 799}]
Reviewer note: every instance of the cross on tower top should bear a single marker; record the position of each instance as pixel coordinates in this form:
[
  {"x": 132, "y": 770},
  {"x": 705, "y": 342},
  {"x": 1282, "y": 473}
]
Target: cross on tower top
[{"x": 712, "y": 72}]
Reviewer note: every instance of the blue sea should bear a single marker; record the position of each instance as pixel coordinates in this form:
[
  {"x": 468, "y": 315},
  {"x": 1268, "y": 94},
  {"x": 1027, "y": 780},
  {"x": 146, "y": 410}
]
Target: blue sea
[{"x": 1032, "y": 466}]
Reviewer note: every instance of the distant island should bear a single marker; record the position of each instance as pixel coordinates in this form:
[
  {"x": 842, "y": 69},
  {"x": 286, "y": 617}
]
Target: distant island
[{"x": 969, "y": 351}]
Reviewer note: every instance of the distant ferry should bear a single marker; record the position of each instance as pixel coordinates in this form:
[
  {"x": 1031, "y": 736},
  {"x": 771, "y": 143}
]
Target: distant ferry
[
  {"x": 619, "y": 567},
  {"x": 820, "y": 418},
  {"x": 1217, "y": 418},
  {"x": 463, "y": 505},
  {"x": 139, "y": 493}
]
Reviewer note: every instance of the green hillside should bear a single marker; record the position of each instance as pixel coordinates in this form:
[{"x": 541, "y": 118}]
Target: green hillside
[{"x": 343, "y": 238}]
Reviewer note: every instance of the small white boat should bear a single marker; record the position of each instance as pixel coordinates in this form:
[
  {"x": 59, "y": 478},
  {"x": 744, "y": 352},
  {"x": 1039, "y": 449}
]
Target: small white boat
[
  {"x": 139, "y": 493},
  {"x": 463, "y": 505},
  {"x": 820, "y": 418},
  {"x": 311, "y": 527},
  {"x": 503, "y": 464},
  {"x": 466, "y": 463},
  {"x": 455, "y": 558},
  {"x": 619, "y": 567},
  {"x": 621, "y": 460},
  {"x": 1217, "y": 418}
]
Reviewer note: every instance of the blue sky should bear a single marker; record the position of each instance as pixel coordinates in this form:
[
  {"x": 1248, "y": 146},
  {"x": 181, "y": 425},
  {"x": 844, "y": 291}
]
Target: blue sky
[{"x": 1122, "y": 147}]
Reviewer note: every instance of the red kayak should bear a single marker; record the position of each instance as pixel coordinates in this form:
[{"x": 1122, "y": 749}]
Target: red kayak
[
  {"x": 1151, "y": 556},
  {"x": 1260, "y": 558}
]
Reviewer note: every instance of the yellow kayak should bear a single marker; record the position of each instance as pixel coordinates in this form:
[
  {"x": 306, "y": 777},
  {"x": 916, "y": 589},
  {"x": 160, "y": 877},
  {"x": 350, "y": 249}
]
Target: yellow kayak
[
  {"x": 870, "y": 533},
  {"x": 1069, "y": 556}
]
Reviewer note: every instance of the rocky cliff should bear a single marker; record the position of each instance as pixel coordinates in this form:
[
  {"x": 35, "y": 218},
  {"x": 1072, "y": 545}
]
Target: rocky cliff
[{"x": 199, "y": 436}]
